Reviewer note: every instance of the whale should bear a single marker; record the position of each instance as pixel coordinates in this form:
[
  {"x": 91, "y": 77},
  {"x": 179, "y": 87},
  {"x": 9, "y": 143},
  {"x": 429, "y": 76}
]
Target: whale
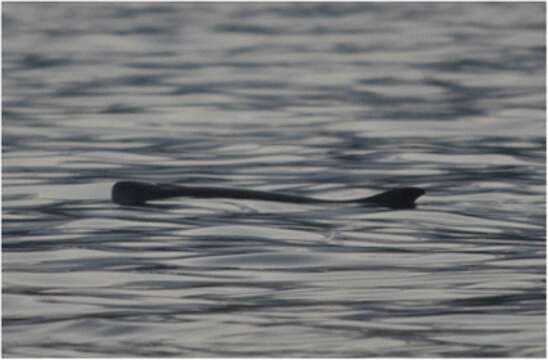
[{"x": 135, "y": 193}]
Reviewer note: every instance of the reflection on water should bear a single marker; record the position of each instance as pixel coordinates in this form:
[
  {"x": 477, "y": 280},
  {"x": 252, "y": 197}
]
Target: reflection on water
[{"x": 327, "y": 100}]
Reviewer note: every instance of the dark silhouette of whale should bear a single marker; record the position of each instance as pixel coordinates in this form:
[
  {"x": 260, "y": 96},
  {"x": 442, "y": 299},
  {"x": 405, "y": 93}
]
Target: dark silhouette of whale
[{"x": 138, "y": 193}]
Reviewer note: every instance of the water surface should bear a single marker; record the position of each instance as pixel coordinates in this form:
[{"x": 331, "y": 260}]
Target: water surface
[{"x": 326, "y": 100}]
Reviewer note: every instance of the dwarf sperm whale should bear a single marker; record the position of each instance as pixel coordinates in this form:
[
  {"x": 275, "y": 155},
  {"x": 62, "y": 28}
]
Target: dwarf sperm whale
[{"x": 138, "y": 193}]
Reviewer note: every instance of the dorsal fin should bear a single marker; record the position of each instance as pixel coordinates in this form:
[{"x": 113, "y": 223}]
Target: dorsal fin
[{"x": 402, "y": 198}]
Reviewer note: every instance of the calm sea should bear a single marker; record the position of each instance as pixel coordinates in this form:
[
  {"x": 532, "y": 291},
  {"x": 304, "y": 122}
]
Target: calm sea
[{"x": 332, "y": 100}]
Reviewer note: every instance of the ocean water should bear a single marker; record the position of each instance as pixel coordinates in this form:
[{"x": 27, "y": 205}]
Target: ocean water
[{"x": 331, "y": 100}]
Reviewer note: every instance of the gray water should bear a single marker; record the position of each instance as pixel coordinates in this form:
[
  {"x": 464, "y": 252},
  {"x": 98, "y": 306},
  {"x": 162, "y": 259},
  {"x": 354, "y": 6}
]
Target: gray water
[{"x": 327, "y": 100}]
